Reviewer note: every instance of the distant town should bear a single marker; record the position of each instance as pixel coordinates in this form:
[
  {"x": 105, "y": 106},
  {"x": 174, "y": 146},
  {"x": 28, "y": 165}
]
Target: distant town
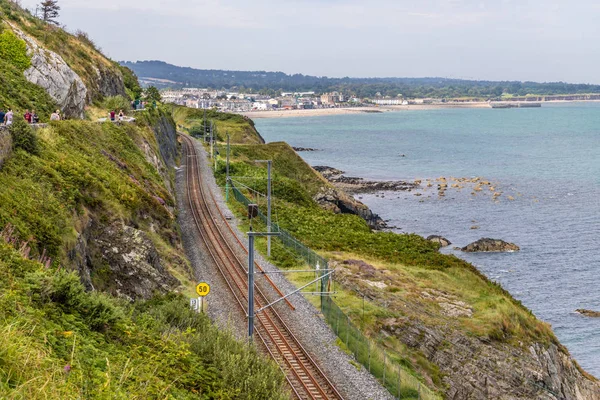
[
  {"x": 236, "y": 102},
  {"x": 244, "y": 102}
]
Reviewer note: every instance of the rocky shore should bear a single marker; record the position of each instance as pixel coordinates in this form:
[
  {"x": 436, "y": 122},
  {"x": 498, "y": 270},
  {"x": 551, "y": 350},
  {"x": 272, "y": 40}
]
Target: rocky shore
[{"x": 355, "y": 185}]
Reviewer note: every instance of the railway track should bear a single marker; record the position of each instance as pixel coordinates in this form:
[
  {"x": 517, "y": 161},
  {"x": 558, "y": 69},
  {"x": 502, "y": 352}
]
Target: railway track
[{"x": 305, "y": 378}]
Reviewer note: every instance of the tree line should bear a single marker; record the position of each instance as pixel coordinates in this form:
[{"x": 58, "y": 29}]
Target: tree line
[{"x": 272, "y": 83}]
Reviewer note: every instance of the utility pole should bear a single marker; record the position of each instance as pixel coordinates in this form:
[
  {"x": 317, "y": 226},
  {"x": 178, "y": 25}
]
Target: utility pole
[
  {"x": 269, "y": 164},
  {"x": 212, "y": 151},
  {"x": 227, "y": 168},
  {"x": 204, "y": 126}
]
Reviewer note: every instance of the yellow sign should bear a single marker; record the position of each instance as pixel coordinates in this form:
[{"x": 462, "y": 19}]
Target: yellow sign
[{"x": 203, "y": 289}]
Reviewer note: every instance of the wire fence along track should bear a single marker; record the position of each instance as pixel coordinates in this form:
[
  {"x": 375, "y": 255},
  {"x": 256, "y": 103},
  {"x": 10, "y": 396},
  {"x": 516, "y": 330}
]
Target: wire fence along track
[
  {"x": 395, "y": 377},
  {"x": 302, "y": 373}
]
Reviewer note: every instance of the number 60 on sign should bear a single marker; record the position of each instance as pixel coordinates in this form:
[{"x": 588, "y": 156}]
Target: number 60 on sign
[{"x": 203, "y": 289}]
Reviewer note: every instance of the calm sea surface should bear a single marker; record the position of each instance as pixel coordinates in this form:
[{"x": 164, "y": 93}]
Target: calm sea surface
[{"x": 546, "y": 163}]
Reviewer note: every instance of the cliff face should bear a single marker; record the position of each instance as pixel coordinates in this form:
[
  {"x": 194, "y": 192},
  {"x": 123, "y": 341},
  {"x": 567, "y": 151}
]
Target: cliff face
[
  {"x": 69, "y": 68},
  {"x": 52, "y": 73},
  {"x": 470, "y": 366},
  {"x": 119, "y": 256}
]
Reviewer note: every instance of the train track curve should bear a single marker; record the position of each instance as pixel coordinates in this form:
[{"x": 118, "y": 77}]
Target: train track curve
[{"x": 306, "y": 380}]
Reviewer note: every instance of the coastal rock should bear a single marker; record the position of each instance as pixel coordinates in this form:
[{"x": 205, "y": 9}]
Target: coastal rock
[
  {"x": 355, "y": 185},
  {"x": 443, "y": 242},
  {"x": 52, "y": 73},
  {"x": 304, "y": 149},
  {"x": 490, "y": 245},
  {"x": 588, "y": 313},
  {"x": 340, "y": 203},
  {"x": 363, "y": 267}
]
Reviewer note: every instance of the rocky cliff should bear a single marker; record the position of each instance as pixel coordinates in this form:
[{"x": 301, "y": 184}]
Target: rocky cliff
[{"x": 69, "y": 68}]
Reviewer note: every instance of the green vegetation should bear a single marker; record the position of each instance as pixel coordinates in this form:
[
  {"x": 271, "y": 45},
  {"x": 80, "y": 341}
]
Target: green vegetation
[
  {"x": 239, "y": 128},
  {"x": 23, "y": 136},
  {"x": 409, "y": 265},
  {"x": 15, "y": 91},
  {"x": 116, "y": 103},
  {"x": 78, "y": 51},
  {"x": 83, "y": 168},
  {"x": 273, "y": 83},
  {"x": 18, "y": 93},
  {"x": 14, "y": 50},
  {"x": 134, "y": 90},
  {"x": 57, "y": 341}
]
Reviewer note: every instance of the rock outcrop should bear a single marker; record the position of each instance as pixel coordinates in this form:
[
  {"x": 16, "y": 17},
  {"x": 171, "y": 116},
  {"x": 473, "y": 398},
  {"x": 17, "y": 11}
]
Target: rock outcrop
[
  {"x": 588, "y": 313},
  {"x": 340, "y": 203},
  {"x": 109, "y": 83},
  {"x": 52, "y": 73},
  {"x": 352, "y": 184},
  {"x": 442, "y": 241},
  {"x": 120, "y": 260},
  {"x": 490, "y": 245}
]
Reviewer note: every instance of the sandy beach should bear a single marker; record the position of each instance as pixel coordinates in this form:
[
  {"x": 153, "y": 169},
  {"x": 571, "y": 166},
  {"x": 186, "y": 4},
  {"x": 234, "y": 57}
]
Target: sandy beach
[{"x": 353, "y": 110}]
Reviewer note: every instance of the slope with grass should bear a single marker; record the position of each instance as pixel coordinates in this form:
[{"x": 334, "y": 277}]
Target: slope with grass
[
  {"x": 460, "y": 333},
  {"x": 93, "y": 274},
  {"x": 241, "y": 129},
  {"x": 70, "y": 67}
]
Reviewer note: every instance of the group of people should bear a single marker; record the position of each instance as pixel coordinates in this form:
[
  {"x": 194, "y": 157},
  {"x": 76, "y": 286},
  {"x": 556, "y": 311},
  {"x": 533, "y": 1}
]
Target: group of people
[
  {"x": 112, "y": 115},
  {"x": 6, "y": 118}
]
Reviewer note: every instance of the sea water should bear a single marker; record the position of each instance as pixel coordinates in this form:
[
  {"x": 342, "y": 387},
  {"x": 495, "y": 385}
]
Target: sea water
[{"x": 545, "y": 162}]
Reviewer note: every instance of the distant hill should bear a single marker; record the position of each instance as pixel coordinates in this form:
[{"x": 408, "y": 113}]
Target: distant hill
[{"x": 164, "y": 75}]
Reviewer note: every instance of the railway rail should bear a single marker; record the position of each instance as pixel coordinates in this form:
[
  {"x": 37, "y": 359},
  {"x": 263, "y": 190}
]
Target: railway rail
[{"x": 305, "y": 378}]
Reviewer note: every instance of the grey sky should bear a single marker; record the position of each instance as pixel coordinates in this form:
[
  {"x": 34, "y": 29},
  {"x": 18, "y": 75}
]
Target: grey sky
[{"x": 540, "y": 40}]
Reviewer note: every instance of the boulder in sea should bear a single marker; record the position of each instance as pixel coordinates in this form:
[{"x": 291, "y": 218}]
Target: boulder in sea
[
  {"x": 439, "y": 239},
  {"x": 588, "y": 313},
  {"x": 490, "y": 245}
]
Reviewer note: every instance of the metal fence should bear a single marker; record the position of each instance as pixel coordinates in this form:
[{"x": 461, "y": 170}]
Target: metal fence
[{"x": 395, "y": 377}]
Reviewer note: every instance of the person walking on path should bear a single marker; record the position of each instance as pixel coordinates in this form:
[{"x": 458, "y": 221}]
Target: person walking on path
[
  {"x": 35, "y": 119},
  {"x": 2, "y": 114},
  {"x": 8, "y": 118},
  {"x": 121, "y": 115},
  {"x": 112, "y": 115},
  {"x": 27, "y": 116},
  {"x": 55, "y": 116}
]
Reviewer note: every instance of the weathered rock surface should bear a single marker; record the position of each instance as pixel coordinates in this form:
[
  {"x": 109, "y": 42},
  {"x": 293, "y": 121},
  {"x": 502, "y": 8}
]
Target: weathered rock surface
[
  {"x": 109, "y": 83},
  {"x": 304, "y": 149},
  {"x": 52, "y": 73},
  {"x": 443, "y": 242},
  {"x": 120, "y": 260},
  {"x": 588, "y": 313},
  {"x": 359, "y": 185},
  {"x": 340, "y": 203},
  {"x": 490, "y": 245},
  {"x": 471, "y": 367}
]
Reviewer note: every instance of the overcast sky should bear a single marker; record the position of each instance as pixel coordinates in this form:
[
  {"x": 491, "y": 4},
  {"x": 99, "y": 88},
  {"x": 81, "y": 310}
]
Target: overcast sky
[{"x": 539, "y": 40}]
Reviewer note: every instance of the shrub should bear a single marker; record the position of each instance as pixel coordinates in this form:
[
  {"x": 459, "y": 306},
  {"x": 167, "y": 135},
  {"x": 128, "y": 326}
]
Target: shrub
[
  {"x": 23, "y": 136},
  {"x": 116, "y": 103},
  {"x": 14, "y": 50}
]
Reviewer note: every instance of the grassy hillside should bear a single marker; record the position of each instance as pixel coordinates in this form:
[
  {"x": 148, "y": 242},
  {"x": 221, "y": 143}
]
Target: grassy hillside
[
  {"x": 413, "y": 276},
  {"x": 58, "y": 340},
  {"x": 78, "y": 50},
  {"x": 240, "y": 129}
]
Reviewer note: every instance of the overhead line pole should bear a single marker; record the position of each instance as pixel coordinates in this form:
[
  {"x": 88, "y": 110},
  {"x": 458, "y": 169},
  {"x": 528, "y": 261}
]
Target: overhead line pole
[
  {"x": 227, "y": 179},
  {"x": 269, "y": 165}
]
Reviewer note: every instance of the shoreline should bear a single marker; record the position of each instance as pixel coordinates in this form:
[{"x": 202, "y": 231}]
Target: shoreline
[{"x": 320, "y": 112}]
